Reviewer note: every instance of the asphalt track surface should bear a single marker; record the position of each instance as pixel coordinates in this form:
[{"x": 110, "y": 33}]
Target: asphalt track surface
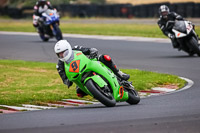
[{"x": 171, "y": 113}]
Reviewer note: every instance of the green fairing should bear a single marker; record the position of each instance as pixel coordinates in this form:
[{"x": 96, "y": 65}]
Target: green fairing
[
  {"x": 97, "y": 79},
  {"x": 77, "y": 70}
]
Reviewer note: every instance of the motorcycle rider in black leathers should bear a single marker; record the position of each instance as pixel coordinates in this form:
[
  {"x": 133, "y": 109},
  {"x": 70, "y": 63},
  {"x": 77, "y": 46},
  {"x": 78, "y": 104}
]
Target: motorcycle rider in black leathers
[
  {"x": 165, "y": 16},
  {"x": 91, "y": 53},
  {"x": 40, "y": 7}
]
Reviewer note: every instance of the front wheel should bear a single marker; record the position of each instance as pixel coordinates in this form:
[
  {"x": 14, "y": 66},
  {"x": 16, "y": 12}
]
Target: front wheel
[
  {"x": 193, "y": 44},
  {"x": 101, "y": 94},
  {"x": 133, "y": 97},
  {"x": 58, "y": 32}
]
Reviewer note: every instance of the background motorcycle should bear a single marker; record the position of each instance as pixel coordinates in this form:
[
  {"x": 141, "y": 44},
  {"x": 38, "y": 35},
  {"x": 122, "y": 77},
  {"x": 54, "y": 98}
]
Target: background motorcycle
[
  {"x": 185, "y": 36},
  {"x": 98, "y": 81},
  {"x": 49, "y": 25}
]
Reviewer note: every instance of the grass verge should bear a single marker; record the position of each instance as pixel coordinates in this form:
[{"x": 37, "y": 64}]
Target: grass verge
[
  {"x": 141, "y": 30},
  {"x": 25, "y": 82}
]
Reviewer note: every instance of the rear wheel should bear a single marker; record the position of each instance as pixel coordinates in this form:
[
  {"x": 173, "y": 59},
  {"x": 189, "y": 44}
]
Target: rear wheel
[
  {"x": 44, "y": 38},
  {"x": 101, "y": 94},
  {"x": 193, "y": 44}
]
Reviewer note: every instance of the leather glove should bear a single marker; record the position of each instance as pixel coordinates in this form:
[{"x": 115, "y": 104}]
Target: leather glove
[
  {"x": 93, "y": 53},
  {"x": 68, "y": 83},
  {"x": 171, "y": 36}
]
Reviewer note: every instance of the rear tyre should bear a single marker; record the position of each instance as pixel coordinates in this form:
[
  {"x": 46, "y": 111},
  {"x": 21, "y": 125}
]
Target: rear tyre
[
  {"x": 44, "y": 38},
  {"x": 133, "y": 97},
  {"x": 105, "y": 98},
  {"x": 193, "y": 44}
]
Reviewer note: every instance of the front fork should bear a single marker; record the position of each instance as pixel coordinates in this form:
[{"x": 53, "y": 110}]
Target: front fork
[
  {"x": 120, "y": 94},
  {"x": 53, "y": 28}
]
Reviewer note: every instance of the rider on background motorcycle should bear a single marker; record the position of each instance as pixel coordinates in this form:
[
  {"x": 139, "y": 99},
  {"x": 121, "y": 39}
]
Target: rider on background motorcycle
[
  {"x": 40, "y": 7},
  {"x": 165, "y": 16},
  {"x": 62, "y": 47}
]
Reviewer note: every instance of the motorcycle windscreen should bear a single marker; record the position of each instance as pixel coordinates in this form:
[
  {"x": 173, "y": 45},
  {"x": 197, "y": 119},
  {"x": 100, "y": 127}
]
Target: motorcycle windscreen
[{"x": 180, "y": 26}]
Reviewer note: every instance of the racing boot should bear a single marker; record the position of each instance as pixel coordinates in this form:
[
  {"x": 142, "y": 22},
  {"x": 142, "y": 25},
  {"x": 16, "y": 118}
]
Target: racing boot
[
  {"x": 122, "y": 75},
  {"x": 80, "y": 93},
  {"x": 106, "y": 59}
]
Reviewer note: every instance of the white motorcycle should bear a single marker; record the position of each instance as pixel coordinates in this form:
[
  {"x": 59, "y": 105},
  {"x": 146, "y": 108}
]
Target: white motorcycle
[{"x": 185, "y": 36}]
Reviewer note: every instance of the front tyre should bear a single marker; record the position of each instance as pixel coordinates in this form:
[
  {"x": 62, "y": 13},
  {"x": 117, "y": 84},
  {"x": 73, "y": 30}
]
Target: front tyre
[
  {"x": 58, "y": 33},
  {"x": 193, "y": 44},
  {"x": 104, "y": 97},
  {"x": 133, "y": 97}
]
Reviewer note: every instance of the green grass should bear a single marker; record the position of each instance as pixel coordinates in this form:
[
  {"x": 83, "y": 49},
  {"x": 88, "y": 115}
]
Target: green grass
[
  {"x": 142, "y": 30},
  {"x": 113, "y": 29},
  {"x": 30, "y": 82},
  {"x": 145, "y": 80},
  {"x": 25, "y": 82},
  {"x": 90, "y": 29}
]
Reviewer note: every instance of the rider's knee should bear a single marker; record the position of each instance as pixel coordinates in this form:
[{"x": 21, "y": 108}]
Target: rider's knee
[{"x": 105, "y": 58}]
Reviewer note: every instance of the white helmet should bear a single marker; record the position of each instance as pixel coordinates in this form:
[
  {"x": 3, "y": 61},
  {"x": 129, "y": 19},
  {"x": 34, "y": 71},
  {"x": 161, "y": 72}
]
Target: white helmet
[{"x": 63, "y": 50}]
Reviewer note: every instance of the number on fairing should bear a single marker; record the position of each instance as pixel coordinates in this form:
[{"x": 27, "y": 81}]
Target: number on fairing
[{"x": 74, "y": 66}]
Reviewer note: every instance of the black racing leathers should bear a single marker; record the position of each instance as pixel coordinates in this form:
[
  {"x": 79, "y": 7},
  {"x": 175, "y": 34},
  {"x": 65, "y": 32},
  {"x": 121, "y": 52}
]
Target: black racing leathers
[
  {"x": 172, "y": 16},
  {"x": 162, "y": 22}
]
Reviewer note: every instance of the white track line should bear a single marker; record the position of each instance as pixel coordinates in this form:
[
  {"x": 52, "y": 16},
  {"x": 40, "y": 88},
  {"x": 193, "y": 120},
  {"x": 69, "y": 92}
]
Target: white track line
[
  {"x": 190, "y": 83},
  {"x": 80, "y": 101},
  {"x": 37, "y": 107},
  {"x": 163, "y": 89},
  {"x": 19, "y": 108}
]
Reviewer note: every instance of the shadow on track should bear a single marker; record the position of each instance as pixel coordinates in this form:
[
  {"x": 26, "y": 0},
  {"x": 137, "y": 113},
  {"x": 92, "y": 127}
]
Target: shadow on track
[{"x": 101, "y": 106}]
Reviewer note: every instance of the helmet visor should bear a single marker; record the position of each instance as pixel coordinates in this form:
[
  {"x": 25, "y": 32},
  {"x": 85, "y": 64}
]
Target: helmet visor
[
  {"x": 165, "y": 13},
  {"x": 63, "y": 54},
  {"x": 66, "y": 52}
]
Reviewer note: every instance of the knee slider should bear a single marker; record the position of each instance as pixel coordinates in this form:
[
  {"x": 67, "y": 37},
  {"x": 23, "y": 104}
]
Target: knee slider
[{"x": 107, "y": 57}]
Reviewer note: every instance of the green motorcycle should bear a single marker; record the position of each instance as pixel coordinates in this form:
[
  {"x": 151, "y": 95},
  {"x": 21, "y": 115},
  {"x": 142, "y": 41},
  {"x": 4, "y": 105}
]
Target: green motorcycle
[{"x": 99, "y": 81}]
